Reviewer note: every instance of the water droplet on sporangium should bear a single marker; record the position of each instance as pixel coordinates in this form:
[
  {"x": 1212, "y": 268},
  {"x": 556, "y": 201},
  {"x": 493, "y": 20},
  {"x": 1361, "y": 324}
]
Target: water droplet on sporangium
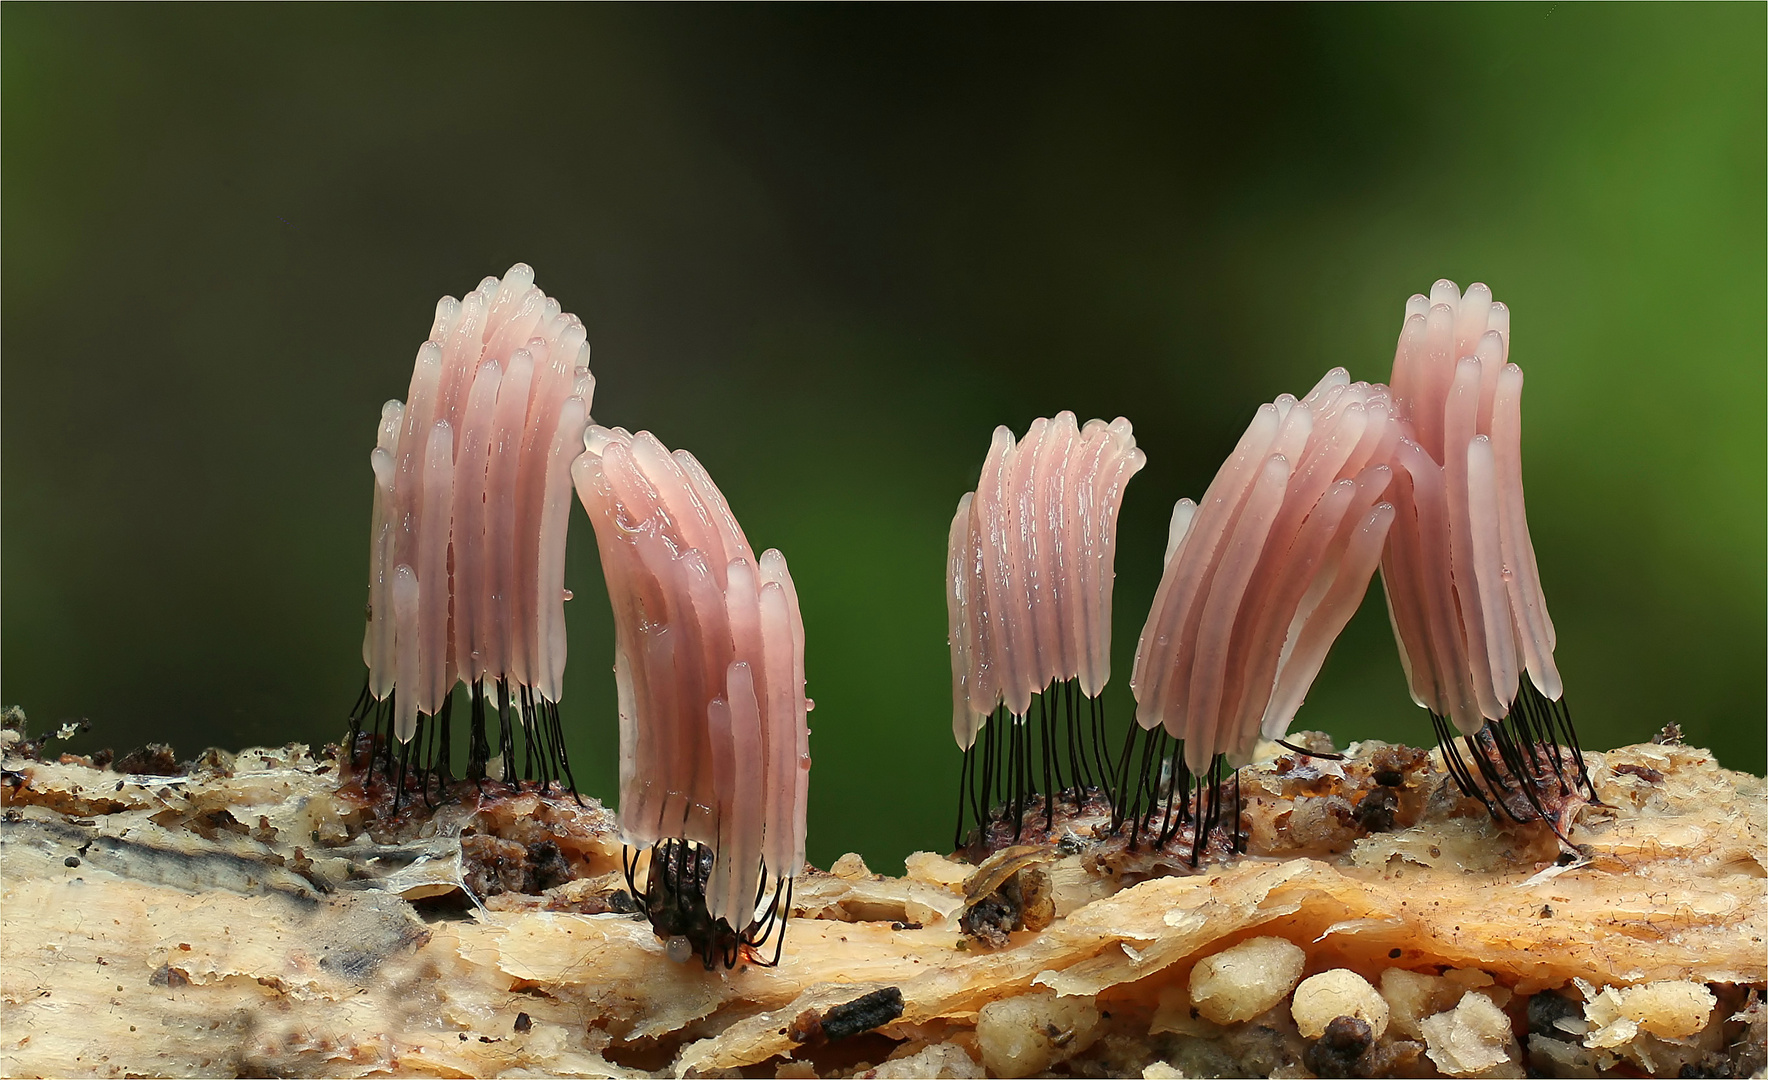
[
  {"x": 567, "y": 594},
  {"x": 809, "y": 705}
]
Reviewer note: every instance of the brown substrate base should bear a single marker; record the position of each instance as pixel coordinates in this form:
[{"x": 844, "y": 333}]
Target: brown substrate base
[{"x": 247, "y": 917}]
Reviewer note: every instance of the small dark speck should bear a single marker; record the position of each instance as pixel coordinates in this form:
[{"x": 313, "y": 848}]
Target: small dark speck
[
  {"x": 1546, "y": 911},
  {"x": 523, "y": 1023},
  {"x": 463, "y": 1036},
  {"x": 71, "y": 860},
  {"x": 1394, "y": 954},
  {"x": 285, "y": 221}
]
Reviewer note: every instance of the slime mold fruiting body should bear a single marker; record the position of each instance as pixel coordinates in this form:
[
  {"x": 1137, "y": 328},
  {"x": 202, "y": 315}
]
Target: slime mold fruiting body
[
  {"x": 467, "y": 553},
  {"x": 709, "y": 665}
]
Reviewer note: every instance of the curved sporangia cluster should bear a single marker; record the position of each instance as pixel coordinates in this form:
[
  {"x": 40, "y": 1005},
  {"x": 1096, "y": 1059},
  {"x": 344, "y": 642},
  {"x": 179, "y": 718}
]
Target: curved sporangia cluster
[
  {"x": 471, "y": 501},
  {"x": 709, "y": 665},
  {"x": 1029, "y": 573},
  {"x": 1423, "y": 480},
  {"x": 1464, "y": 592},
  {"x": 1260, "y": 578},
  {"x": 1266, "y": 570}
]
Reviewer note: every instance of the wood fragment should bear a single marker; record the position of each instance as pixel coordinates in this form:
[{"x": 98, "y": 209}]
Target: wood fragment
[{"x": 247, "y": 918}]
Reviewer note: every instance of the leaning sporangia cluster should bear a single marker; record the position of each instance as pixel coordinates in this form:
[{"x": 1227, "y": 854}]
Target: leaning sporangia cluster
[
  {"x": 709, "y": 666},
  {"x": 1266, "y": 570}
]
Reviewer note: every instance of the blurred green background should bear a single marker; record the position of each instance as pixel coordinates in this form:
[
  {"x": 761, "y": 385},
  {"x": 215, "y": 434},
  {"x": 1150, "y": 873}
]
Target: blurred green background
[{"x": 828, "y": 249}]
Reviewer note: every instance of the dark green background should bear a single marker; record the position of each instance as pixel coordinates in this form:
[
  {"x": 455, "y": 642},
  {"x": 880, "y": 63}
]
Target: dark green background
[{"x": 828, "y": 249}]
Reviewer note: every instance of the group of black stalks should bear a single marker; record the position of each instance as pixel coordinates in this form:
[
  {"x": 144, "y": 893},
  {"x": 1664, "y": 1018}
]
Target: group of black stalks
[
  {"x": 1057, "y": 760},
  {"x": 515, "y": 739},
  {"x": 1054, "y": 761},
  {"x": 527, "y": 729}
]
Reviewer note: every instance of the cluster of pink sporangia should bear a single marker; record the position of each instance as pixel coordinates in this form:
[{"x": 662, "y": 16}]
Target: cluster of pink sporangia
[
  {"x": 1424, "y": 479},
  {"x": 471, "y": 500},
  {"x": 1463, "y": 589},
  {"x": 1263, "y": 574},
  {"x": 709, "y": 667},
  {"x": 473, "y": 482},
  {"x": 1030, "y": 566}
]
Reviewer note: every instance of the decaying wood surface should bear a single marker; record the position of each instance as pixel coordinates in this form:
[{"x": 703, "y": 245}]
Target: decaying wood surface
[{"x": 246, "y": 917}]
